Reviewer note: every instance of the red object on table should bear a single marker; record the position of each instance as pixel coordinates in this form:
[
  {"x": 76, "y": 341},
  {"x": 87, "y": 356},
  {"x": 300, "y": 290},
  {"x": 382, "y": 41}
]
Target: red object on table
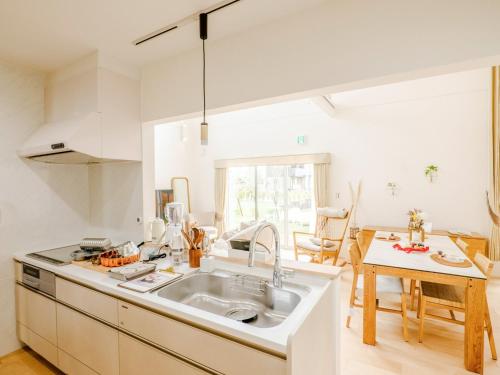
[{"x": 411, "y": 249}]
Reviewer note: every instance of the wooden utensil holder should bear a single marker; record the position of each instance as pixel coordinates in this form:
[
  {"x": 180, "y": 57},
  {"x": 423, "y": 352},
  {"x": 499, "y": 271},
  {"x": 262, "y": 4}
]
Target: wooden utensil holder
[{"x": 195, "y": 255}]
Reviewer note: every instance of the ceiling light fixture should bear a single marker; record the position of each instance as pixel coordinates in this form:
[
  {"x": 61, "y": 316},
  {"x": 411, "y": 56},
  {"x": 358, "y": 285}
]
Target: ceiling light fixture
[
  {"x": 183, "y": 22},
  {"x": 203, "y": 37}
]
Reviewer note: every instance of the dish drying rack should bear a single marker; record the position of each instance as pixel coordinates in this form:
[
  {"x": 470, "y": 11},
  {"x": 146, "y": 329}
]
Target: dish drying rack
[{"x": 248, "y": 284}]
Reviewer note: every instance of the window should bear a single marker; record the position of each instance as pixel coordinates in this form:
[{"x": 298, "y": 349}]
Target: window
[{"x": 280, "y": 194}]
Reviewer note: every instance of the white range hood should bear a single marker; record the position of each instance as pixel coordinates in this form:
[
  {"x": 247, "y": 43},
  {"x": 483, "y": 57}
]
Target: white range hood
[
  {"x": 93, "y": 115},
  {"x": 76, "y": 141}
]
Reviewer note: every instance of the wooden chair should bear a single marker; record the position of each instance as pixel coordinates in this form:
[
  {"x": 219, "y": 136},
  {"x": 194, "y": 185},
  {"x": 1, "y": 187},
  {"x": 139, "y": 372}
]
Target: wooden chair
[
  {"x": 318, "y": 245},
  {"x": 452, "y": 298},
  {"x": 463, "y": 246},
  {"x": 386, "y": 285},
  {"x": 362, "y": 243}
]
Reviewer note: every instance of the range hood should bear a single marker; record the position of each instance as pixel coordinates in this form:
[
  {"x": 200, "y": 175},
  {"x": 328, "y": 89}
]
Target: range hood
[
  {"x": 92, "y": 112},
  {"x": 76, "y": 141}
]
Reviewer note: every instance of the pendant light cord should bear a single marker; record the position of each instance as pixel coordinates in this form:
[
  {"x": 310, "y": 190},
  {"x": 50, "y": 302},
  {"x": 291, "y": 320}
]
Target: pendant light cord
[{"x": 204, "y": 89}]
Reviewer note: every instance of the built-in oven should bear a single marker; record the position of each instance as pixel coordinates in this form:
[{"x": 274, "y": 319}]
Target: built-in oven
[{"x": 40, "y": 279}]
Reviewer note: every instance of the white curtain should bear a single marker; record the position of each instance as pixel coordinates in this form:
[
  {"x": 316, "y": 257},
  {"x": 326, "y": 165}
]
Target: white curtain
[
  {"x": 220, "y": 198},
  {"x": 321, "y": 184},
  {"x": 495, "y": 162}
]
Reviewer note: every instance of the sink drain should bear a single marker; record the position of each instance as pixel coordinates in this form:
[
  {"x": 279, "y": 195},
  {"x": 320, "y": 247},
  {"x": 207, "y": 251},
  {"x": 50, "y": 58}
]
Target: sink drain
[{"x": 242, "y": 314}]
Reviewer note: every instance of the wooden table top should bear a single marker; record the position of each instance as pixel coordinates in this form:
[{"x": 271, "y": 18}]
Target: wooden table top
[
  {"x": 382, "y": 253},
  {"x": 437, "y": 232}
]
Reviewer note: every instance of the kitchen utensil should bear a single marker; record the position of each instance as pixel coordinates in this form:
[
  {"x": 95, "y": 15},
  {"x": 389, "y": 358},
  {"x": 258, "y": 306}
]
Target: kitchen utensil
[
  {"x": 127, "y": 248},
  {"x": 188, "y": 238},
  {"x": 194, "y": 257},
  {"x": 157, "y": 230},
  {"x": 174, "y": 213},
  {"x": 112, "y": 258},
  {"x": 95, "y": 244},
  {"x": 80, "y": 255}
]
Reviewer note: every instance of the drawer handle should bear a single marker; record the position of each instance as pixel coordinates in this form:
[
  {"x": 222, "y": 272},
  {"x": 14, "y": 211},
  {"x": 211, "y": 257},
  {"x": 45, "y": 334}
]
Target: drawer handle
[{"x": 124, "y": 307}]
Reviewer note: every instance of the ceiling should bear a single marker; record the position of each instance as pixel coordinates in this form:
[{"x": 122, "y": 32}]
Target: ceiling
[{"x": 49, "y": 34}]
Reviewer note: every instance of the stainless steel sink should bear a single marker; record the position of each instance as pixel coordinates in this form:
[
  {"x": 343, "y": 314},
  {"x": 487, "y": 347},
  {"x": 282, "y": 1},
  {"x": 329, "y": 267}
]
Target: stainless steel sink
[{"x": 243, "y": 298}]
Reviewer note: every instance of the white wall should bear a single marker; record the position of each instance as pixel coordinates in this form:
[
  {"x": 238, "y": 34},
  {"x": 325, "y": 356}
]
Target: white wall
[
  {"x": 116, "y": 201},
  {"x": 382, "y": 134},
  {"x": 40, "y": 205},
  {"x": 337, "y": 44}
]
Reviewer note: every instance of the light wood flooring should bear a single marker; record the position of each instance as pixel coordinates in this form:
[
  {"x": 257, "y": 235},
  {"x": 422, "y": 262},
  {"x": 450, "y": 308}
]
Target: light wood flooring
[
  {"x": 26, "y": 362},
  {"x": 440, "y": 353}
]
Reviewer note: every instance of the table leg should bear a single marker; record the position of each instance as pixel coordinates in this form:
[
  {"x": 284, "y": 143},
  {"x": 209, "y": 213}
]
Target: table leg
[
  {"x": 474, "y": 325},
  {"x": 369, "y": 304}
]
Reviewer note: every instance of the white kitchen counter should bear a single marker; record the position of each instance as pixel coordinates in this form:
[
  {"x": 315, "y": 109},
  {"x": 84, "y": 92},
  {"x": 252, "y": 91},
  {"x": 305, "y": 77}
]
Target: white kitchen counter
[{"x": 274, "y": 339}]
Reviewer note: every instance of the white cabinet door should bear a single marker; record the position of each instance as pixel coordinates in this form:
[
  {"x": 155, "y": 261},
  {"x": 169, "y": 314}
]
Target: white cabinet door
[
  {"x": 139, "y": 358},
  {"x": 36, "y": 312},
  {"x": 87, "y": 340},
  {"x": 202, "y": 347},
  {"x": 72, "y": 366},
  {"x": 94, "y": 303}
]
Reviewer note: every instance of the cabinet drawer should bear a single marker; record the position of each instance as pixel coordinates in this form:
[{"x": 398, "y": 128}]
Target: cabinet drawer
[
  {"x": 139, "y": 358},
  {"x": 87, "y": 340},
  {"x": 72, "y": 366},
  {"x": 36, "y": 312},
  {"x": 208, "y": 349},
  {"x": 88, "y": 300},
  {"x": 37, "y": 343}
]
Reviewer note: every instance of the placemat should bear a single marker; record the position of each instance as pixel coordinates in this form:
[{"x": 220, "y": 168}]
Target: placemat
[
  {"x": 395, "y": 239},
  {"x": 439, "y": 259}
]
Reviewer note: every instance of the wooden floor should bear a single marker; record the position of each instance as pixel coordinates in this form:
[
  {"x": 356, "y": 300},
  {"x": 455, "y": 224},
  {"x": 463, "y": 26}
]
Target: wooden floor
[
  {"x": 440, "y": 353},
  {"x": 26, "y": 362}
]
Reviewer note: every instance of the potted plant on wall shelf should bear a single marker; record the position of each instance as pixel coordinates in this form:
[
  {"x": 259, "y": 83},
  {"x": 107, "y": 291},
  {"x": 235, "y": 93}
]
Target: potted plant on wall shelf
[{"x": 431, "y": 172}]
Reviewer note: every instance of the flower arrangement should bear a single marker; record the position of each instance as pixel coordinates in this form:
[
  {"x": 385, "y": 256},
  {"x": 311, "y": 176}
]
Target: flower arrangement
[{"x": 416, "y": 219}]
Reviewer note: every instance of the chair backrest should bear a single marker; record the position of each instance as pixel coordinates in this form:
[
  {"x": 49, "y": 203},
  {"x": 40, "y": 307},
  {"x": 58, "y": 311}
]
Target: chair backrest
[
  {"x": 462, "y": 245},
  {"x": 355, "y": 255},
  {"x": 361, "y": 241},
  {"x": 323, "y": 221},
  {"x": 484, "y": 264}
]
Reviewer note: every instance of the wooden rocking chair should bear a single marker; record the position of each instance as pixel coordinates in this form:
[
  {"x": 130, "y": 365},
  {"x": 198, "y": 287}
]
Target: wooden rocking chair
[{"x": 318, "y": 245}]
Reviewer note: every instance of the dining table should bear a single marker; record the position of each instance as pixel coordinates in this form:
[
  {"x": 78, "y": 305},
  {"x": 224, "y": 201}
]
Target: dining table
[{"x": 382, "y": 258}]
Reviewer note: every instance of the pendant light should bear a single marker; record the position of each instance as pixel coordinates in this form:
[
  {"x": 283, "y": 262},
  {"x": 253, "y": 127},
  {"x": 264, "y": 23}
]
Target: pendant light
[{"x": 203, "y": 37}]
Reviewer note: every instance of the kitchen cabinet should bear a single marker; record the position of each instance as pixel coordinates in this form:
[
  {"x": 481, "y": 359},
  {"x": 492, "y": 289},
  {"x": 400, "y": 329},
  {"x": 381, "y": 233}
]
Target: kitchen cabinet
[
  {"x": 37, "y": 343},
  {"x": 36, "y": 322},
  {"x": 94, "y": 303},
  {"x": 70, "y": 365},
  {"x": 198, "y": 345},
  {"x": 139, "y": 358},
  {"x": 89, "y": 341},
  {"x": 86, "y": 332},
  {"x": 36, "y": 312}
]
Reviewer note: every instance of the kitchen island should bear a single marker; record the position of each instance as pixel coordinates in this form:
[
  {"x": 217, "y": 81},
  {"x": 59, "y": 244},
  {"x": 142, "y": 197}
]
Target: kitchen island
[{"x": 92, "y": 326}]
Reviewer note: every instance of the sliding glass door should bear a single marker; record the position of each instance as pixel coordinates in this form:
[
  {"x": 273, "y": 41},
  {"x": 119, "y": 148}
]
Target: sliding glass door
[{"x": 280, "y": 194}]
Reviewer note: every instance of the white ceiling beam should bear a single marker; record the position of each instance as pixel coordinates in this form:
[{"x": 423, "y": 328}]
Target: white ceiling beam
[{"x": 325, "y": 104}]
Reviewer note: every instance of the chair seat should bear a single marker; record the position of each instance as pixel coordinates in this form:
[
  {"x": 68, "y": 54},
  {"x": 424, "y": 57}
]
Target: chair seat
[
  {"x": 385, "y": 284},
  {"x": 443, "y": 294},
  {"x": 311, "y": 244}
]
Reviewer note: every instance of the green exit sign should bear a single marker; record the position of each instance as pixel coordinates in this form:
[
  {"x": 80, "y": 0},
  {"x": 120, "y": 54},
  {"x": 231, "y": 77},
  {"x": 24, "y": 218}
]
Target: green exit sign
[{"x": 301, "y": 139}]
